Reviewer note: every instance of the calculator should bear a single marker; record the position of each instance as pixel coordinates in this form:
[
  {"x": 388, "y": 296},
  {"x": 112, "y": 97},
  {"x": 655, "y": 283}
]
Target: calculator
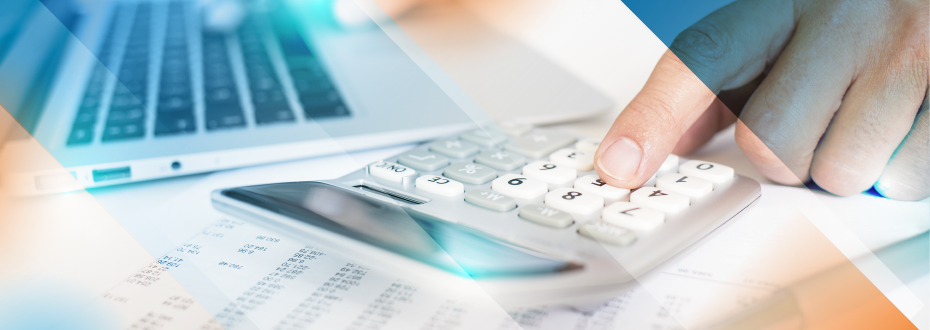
[{"x": 518, "y": 209}]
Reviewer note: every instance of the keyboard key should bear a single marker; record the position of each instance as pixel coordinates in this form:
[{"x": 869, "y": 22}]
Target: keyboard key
[
  {"x": 229, "y": 116},
  {"x": 132, "y": 115},
  {"x": 593, "y": 185},
  {"x": 501, "y": 160},
  {"x": 573, "y": 201},
  {"x": 167, "y": 123},
  {"x": 325, "y": 111},
  {"x": 81, "y": 135},
  {"x": 685, "y": 185},
  {"x": 576, "y": 159},
  {"x": 658, "y": 199},
  {"x": 712, "y": 172},
  {"x": 391, "y": 172},
  {"x": 221, "y": 95},
  {"x": 85, "y": 118},
  {"x": 454, "y": 148},
  {"x": 550, "y": 173},
  {"x": 423, "y": 160},
  {"x": 470, "y": 173},
  {"x": 546, "y": 216},
  {"x": 484, "y": 138},
  {"x": 440, "y": 186},
  {"x": 588, "y": 145},
  {"x": 490, "y": 200},
  {"x": 606, "y": 233},
  {"x": 519, "y": 186},
  {"x": 539, "y": 143},
  {"x": 124, "y": 131},
  {"x": 670, "y": 165},
  {"x": 632, "y": 216},
  {"x": 273, "y": 114},
  {"x": 269, "y": 98},
  {"x": 175, "y": 104}
]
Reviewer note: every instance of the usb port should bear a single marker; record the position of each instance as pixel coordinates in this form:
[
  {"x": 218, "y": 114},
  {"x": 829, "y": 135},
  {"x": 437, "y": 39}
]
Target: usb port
[{"x": 112, "y": 174}]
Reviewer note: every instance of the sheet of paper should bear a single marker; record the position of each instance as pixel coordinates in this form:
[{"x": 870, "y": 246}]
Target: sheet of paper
[{"x": 251, "y": 277}]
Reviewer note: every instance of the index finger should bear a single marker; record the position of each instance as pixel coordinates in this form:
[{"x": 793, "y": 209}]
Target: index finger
[{"x": 726, "y": 49}]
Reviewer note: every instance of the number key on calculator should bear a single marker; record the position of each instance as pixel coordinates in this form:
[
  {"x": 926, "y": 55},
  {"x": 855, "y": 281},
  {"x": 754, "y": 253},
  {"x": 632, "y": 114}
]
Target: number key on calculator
[{"x": 525, "y": 215}]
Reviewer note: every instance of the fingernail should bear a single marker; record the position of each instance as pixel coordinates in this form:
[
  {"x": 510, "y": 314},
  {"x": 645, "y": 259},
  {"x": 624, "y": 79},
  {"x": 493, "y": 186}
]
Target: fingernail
[{"x": 621, "y": 160}]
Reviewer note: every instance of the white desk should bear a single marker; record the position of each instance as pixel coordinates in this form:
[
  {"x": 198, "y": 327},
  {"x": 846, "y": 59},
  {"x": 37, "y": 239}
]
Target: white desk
[{"x": 588, "y": 40}]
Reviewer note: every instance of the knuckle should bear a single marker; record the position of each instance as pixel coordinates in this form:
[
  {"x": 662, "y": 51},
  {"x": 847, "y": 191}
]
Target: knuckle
[
  {"x": 703, "y": 44},
  {"x": 654, "y": 113}
]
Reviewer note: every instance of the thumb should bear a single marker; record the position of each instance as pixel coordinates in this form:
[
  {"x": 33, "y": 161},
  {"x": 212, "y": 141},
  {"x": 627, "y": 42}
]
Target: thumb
[{"x": 649, "y": 127}]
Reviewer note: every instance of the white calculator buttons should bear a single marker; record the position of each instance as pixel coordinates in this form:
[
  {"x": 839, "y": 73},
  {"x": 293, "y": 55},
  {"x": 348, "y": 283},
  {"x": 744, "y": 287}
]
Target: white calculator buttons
[
  {"x": 519, "y": 186},
  {"x": 593, "y": 184},
  {"x": 573, "y": 201},
  {"x": 632, "y": 216},
  {"x": 545, "y": 215},
  {"x": 490, "y": 200},
  {"x": 712, "y": 172},
  {"x": 454, "y": 148},
  {"x": 670, "y": 165},
  {"x": 606, "y": 233},
  {"x": 660, "y": 199},
  {"x": 484, "y": 138},
  {"x": 440, "y": 186},
  {"x": 686, "y": 185},
  {"x": 577, "y": 159},
  {"x": 550, "y": 173},
  {"x": 390, "y": 171},
  {"x": 588, "y": 145}
]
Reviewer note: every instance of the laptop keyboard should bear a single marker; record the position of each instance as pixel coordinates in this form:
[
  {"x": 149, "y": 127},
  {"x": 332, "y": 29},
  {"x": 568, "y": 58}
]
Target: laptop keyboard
[{"x": 175, "y": 108}]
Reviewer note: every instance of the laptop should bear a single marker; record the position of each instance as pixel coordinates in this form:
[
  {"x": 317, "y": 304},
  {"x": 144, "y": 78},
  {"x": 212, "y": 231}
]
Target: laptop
[{"x": 127, "y": 91}]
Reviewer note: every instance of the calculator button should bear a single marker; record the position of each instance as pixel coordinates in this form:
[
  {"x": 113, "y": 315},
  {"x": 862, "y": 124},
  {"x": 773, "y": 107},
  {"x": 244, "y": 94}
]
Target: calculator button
[
  {"x": 660, "y": 199},
  {"x": 423, "y": 160},
  {"x": 513, "y": 128},
  {"x": 440, "y": 186},
  {"x": 550, "y": 173},
  {"x": 490, "y": 200},
  {"x": 594, "y": 185},
  {"x": 519, "y": 186},
  {"x": 686, "y": 185},
  {"x": 545, "y": 215},
  {"x": 651, "y": 182},
  {"x": 501, "y": 160},
  {"x": 606, "y": 233},
  {"x": 390, "y": 171},
  {"x": 484, "y": 138},
  {"x": 712, "y": 172},
  {"x": 576, "y": 159},
  {"x": 588, "y": 145},
  {"x": 537, "y": 144},
  {"x": 573, "y": 201},
  {"x": 632, "y": 216},
  {"x": 670, "y": 165},
  {"x": 470, "y": 173},
  {"x": 454, "y": 148}
]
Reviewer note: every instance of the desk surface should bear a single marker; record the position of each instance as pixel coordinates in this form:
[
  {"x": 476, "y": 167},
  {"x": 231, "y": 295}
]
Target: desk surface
[{"x": 553, "y": 28}]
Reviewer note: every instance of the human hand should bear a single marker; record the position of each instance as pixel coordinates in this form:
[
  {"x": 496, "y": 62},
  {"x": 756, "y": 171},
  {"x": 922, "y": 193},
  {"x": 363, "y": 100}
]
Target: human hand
[{"x": 835, "y": 91}]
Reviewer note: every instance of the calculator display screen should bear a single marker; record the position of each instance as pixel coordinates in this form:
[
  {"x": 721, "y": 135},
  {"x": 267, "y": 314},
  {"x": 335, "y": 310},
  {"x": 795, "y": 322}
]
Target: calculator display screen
[{"x": 401, "y": 230}]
